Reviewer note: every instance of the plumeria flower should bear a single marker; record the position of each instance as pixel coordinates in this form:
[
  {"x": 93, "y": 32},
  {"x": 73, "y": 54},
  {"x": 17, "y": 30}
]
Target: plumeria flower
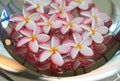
[
  {"x": 54, "y": 51},
  {"x": 27, "y": 20},
  {"x": 60, "y": 8},
  {"x": 71, "y": 23},
  {"x": 82, "y": 4},
  {"x": 81, "y": 46},
  {"x": 95, "y": 14},
  {"x": 49, "y": 23},
  {"x": 95, "y": 32},
  {"x": 38, "y": 5},
  {"x": 32, "y": 38}
]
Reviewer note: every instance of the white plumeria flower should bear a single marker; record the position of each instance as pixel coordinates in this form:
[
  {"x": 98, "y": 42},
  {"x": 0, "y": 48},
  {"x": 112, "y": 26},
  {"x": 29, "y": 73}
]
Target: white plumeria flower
[
  {"x": 54, "y": 51},
  {"x": 71, "y": 23},
  {"x": 38, "y": 5},
  {"x": 80, "y": 45},
  {"x": 32, "y": 38},
  {"x": 82, "y": 4},
  {"x": 95, "y": 14},
  {"x": 49, "y": 23},
  {"x": 27, "y": 20},
  {"x": 60, "y": 8},
  {"x": 95, "y": 32}
]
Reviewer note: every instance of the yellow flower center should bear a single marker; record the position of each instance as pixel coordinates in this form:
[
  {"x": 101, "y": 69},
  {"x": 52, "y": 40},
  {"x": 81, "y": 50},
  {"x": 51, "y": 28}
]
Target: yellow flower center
[
  {"x": 60, "y": 11},
  {"x": 79, "y": 46},
  {"x": 70, "y": 24},
  {"x": 33, "y": 37},
  {"x": 93, "y": 31},
  {"x": 38, "y": 5},
  {"x": 78, "y": 1},
  {"x": 49, "y": 24},
  {"x": 95, "y": 18},
  {"x": 26, "y": 19},
  {"x": 53, "y": 50}
]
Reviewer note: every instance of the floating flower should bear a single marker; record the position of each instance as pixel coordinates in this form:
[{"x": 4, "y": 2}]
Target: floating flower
[
  {"x": 32, "y": 39},
  {"x": 96, "y": 15},
  {"x": 38, "y": 5},
  {"x": 71, "y": 23},
  {"x": 95, "y": 32},
  {"x": 54, "y": 51},
  {"x": 49, "y": 23},
  {"x": 60, "y": 8},
  {"x": 27, "y": 20},
  {"x": 82, "y": 4},
  {"x": 81, "y": 46}
]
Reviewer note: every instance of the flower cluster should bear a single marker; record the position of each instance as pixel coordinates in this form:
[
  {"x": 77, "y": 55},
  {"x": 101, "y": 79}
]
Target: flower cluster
[{"x": 57, "y": 34}]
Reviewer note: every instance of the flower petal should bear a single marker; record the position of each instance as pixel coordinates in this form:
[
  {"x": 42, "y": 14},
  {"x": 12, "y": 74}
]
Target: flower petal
[
  {"x": 86, "y": 51},
  {"x": 46, "y": 29},
  {"x": 77, "y": 20},
  {"x": 84, "y": 5},
  {"x": 33, "y": 46},
  {"x": 77, "y": 37},
  {"x": 31, "y": 7},
  {"x": 41, "y": 9},
  {"x": 42, "y": 38},
  {"x": 35, "y": 16},
  {"x": 76, "y": 64},
  {"x": 57, "y": 24},
  {"x": 86, "y": 14},
  {"x": 98, "y": 38},
  {"x": 45, "y": 2},
  {"x": 64, "y": 49},
  {"x": 17, "y": 18},
  {"x": 45, "y": 46},
  {"x": 31, "y": 25},
  {"x": 19, "y": 25},
  {"x": 26, "y": 32},
  {"x": 102, "y": 29},
  {"x": 64, "y": 29},
  {"x": 99, "y": 48},
  {"x": 57, "y": 59},
  {"x": 87, "y": 41},
  {"x": 23, "y": 41},
  {"x": 73, "y": 4},
  {"x": 55, "y": 41},
  {"x": 44, "y": 56},
  {"x": 74, "y": 53},
  {"x": 77, "y": 28}
]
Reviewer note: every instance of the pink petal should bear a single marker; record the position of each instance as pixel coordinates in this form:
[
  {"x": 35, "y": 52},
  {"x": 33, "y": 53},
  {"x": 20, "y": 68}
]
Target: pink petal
[
  {"x": 44, "y": 18},
  {"x": 57, "y": 59},
  {"x": 104, "y": 16},
  {"x": 46, "y": 29},
  {"x": 102, "y": 29},
  {"x": 74, "y": 53},
  {"x": 43, "y": 38},
  {"x": 30, "y": 58},
  {"x": 33, "y": 46},
  {"x": 98, "y": 38},
  {"x": 19, "y": 25},
  {"x": 99, "y": 48},
  {"x": 86, "y": 14},
  {"x": 30, "y": 7},
  {"x": 78, "y": 20},
  {"x": 77, "y": 28},
  {"x": 87, "y": 42},
  {"x": 41, "y": 9},
  {"x": 87, "y": 21},
  {"x": 100, "y": 22},
  {"x": 86, "y": 51},
  {"x": 35, "y": 16},
  {"x": 77, "y": 37},
  {"x": 45, "y": 2},
  {"x": 73, "y": 4},
  {"x": 64, "y": 29},
  {"x": 43, "y": 66},
  {"x": 23, "y": 41},
  {"x": 57, "y": 24},
  {"x": 95, "y": 11},
  {"x": 26, "y": 32},
  {"x": 87, "y": 62},
  {"x": 44, "y": 56},
  {"x": 69, "y": 43},
  {"x": 55, "y": 42},
  {"x": 84, "y": 5},
  {"x": 85, "y": 35},
  {"x": 17, "y": 18},
  {"x": 69, "y": 8},
  {"x": 31, "y": 25},
  {"x": 55, "y": 6},
  {"x": 45, "y": 46},
  {"x": 76, "y": 64},
  {"x": 64, "y": 49}
]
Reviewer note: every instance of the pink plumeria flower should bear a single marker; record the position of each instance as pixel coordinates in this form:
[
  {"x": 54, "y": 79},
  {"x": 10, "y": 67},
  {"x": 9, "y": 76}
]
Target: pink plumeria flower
[
  {"x": 60, "y": 8},
  {"x": 27, "y": 20},
  {"x": 95, "y": 14},
  {"x": 49, "y": 23},
  {"x": 80, "y": 45},
  {"x": 95, "y": 32},
  {"x": 54, "y": 51},
  {"x": 38, "y": 5},
  {"x": 71, "y": 23},
  {"x": 32, "y": 38},
  {"x": 82, "y": 4}
]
